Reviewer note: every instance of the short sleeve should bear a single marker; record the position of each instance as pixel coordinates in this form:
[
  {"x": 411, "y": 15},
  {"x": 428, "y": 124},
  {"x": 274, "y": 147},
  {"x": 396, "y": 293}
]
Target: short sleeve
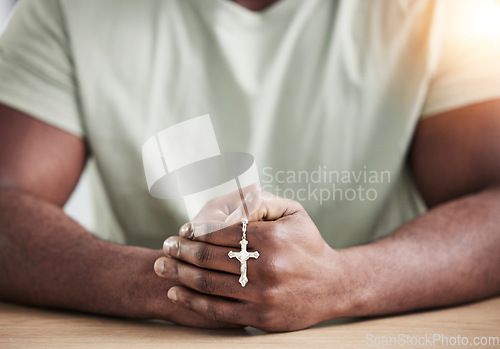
[
  {"x": 468, "y": 69},
  {"x": 36, "y": 70}
]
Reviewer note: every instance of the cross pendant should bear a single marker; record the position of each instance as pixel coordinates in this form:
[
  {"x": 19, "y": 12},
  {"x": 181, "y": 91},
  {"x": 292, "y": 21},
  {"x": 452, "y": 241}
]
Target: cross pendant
[{"x": 243, "y": 256}]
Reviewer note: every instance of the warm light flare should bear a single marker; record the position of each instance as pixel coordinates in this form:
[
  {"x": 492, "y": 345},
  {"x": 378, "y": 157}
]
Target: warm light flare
[{"x": 482, "y": 21}]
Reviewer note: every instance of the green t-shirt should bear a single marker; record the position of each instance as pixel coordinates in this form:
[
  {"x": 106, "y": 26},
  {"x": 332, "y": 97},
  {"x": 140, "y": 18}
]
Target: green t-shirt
[{"x": 325, "y": 94}]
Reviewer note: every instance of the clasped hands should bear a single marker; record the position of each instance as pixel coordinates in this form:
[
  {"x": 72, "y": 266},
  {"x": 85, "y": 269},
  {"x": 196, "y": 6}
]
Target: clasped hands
[{"x": 295, "y": 283}]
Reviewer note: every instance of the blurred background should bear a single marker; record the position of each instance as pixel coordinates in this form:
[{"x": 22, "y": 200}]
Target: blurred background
[{"x": 80, "y": 205}]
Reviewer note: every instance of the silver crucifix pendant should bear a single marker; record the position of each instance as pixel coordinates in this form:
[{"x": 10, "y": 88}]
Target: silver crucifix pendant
[{"x": 243, "y": 255}]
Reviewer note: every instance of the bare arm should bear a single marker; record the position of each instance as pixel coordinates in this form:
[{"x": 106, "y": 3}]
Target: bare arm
[
  {"x": 48, "y": 259},
  {"x": 448, "y": 256},
  {"x": 451, "y": 254}
]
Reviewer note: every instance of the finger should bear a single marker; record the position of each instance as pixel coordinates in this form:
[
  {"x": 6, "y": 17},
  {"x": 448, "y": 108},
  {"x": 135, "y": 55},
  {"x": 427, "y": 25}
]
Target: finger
[
  {"x": 251, "y": 203},
  {"x": 227, "y": 236},
  {"x": 186, "y": 317},
  {"x": 211, "y": 307},
  {"x": 261, "y": 205},
  {"x": 198, "y": 228},
  {"x": 200, "y": 254},
  {"x": 258, "y": 235},
  {"x": 202, "y": 280},
  {"x": 273, "y": 208}
]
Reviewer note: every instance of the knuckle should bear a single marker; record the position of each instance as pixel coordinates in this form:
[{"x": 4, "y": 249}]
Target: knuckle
[
  {"x": 202, "y": 254},
  {"x": 269, "y": 296},
  {"x": 212, "y": 203},
  {"x": 266, "y": 270},
  {"x": 264, "y": 318},
  {"x": 175, "y": 270},
  {"x": 203, "y": 283},
  {"x": 214, "y": 312},
  {"x": 268, "y": 235},
  {"x": 185, "y": 300},
  {"x": 276, "y": 231},
  {"x": 273, "y": 270},
  {"x": 269, "y": 321},
  {"x": 254, "y": 188},
  {"x": 260, "y": 235},
  {"x": 177, "y": 247}
]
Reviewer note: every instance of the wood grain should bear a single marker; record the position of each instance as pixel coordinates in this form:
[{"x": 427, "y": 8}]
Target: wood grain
[{"x": 27, "y": 327}]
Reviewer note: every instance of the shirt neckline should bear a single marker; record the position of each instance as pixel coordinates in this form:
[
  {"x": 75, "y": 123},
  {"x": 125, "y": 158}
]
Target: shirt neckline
[
  {"x": 281, "y": 8},
  {"x": 243, "y": 9}
]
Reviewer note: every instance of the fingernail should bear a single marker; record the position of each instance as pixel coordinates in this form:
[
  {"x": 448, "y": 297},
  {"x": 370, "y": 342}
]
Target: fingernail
[
  {"x": 167, "y": 245},
  {"x": 159, "y": 266},
  {"x": 251, "y": 195},
  {"x": 185, "y": 230},
  {"x": 172, "y": 295}
]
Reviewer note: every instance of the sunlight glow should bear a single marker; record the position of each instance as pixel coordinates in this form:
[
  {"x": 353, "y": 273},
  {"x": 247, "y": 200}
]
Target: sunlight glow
[{"x": 482, "y": 20}]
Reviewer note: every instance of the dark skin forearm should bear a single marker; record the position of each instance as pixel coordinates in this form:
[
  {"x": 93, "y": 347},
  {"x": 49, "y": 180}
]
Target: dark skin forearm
[
  {"x": 449, "y": 255},
  {"x": 42, "y": 247},
  {"x": 48, "y": 259}
]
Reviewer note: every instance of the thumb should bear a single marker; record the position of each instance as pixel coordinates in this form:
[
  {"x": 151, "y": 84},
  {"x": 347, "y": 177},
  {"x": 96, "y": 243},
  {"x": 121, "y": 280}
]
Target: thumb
[{"x": 262, "y": 205}]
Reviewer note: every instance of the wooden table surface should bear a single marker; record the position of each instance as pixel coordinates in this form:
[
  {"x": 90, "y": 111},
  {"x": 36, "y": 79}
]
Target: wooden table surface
[{"x": 27, "y": 327}]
